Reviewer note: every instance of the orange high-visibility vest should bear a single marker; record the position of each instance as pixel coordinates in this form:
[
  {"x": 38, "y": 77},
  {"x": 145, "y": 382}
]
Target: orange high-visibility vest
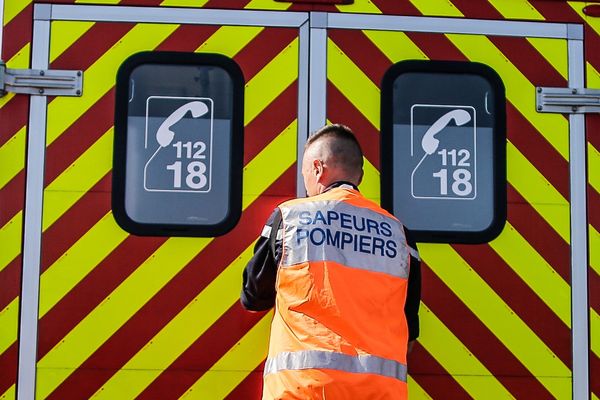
[{"x": 339, "y": 329}]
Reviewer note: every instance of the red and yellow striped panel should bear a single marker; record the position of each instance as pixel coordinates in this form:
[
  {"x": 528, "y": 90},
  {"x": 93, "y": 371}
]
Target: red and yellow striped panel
[
  {"x": 13, "y": 131},
  {"x": 124, "y": 316},
  {"x": 496, "y": 317}
]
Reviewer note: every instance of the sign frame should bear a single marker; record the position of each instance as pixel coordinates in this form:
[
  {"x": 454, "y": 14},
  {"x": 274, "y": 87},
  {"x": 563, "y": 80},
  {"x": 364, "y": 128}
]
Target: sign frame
[
  {"x": 498, "y": 141},
  {"x": 120, "y": 144}
]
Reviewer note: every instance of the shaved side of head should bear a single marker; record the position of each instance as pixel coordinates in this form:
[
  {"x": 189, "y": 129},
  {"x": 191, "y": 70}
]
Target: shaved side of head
[{"x": 336, "y": 145}]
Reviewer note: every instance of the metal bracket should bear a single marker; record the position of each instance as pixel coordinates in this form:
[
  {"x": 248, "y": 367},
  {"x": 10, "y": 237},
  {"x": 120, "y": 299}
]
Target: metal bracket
[
  {"x": 40, "y": 82},
  {"x": 567, "y": 100}
]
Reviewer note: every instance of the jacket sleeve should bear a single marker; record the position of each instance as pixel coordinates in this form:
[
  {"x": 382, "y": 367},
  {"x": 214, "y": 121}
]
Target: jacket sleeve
[
  {"x": 413, "y": 295},
  {"x": 258, "y": 288}
]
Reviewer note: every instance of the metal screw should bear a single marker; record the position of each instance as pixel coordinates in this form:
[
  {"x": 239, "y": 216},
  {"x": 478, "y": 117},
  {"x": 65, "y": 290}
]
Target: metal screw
[
  {"x": 539, "y": 90},
  {"x": 78, "y": 92},
  {"x": 42, "y": 73},
  {"x": 574, "y": 108},
  {"x": 41, "y": 91},
  {"x": 540, "y": 108},
  {"x": 78, "y": 73},
  {"x": 574, "y": 91}
]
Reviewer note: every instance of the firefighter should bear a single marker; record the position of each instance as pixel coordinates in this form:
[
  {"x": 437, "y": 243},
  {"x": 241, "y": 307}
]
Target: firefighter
[{"x": 344, "y": 280}]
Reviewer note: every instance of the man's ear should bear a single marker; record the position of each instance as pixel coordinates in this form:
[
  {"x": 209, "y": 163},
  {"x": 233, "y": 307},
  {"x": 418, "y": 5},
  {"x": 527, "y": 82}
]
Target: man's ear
[{"x": 317, "y": 167}]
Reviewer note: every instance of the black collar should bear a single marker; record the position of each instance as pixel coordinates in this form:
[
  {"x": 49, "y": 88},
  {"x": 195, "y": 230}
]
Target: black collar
[{"x": 338, "y": 184}]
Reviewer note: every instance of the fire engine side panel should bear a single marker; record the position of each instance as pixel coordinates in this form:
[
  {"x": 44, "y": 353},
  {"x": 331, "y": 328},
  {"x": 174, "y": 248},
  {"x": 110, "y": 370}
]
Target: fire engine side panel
[
  {"x": 13, "y": 135},
  {"x": 593, "y": 158},
  {"x": 495, "y": 317}
]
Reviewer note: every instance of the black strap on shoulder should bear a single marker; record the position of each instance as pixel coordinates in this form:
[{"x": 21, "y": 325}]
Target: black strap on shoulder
[{"x": 274, "y": 230}]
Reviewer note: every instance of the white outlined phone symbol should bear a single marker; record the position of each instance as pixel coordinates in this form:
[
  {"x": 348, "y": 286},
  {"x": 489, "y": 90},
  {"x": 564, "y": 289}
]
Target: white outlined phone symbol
[
  {"x": 180, "y": 144},
  {"x": 443, "y": 152}
]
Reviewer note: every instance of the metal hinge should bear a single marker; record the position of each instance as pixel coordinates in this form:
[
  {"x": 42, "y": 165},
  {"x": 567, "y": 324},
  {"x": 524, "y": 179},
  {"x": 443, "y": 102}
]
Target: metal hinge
[
  {"x": 567, "y": 100},
  {"x": 48, "y": 82}
]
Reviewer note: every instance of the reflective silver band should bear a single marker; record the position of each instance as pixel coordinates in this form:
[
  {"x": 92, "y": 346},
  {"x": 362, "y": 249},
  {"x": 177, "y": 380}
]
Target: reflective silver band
[{"x": 307, "y": 359}]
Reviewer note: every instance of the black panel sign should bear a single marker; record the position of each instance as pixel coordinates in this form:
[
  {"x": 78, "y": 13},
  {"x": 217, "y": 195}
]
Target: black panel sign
[
  {"x": 444, "y": 150},
  {"x": 178, "y": 144}
]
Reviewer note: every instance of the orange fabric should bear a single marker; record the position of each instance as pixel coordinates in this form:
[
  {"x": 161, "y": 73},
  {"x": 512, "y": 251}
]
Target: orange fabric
[{"x": 327, "y": 306}]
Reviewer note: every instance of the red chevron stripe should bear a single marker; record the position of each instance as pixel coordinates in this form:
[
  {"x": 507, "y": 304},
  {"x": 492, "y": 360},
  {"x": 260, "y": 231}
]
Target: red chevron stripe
[
  {"x": 482, "y": 342},
  {"x": 190, "y": 281},
  {"x": 8, "y": 366},
  {"x": 13, "y": 116},
  {"x": 10, "y": 282},
  {"x": 79, "y": 137},
  {"x": 249, "y": 388},
  {"x": 432, "y": 377},
  {"x": 594, "y": 373},
  {"x": 179, "y": 40},
  {"x": 359, "y": 48},
  {"x": 270, "y": 122},
  {"x": 594, "y": 289},
  {"x": 339, "y": 109},
  {"x": 75, "y": 222},
  {"x": 193, "y": 363},
  {"x": 592, "y": 124},
  {"x": 264, "y": 48},
  {"x": 13, "y": 198},
  {"x": 93, "y": 289},
  {"x": 519, "y": 297},
  {"x": 529, "y": 223},
  {"x": 396, "y": 7},
  {"x": 92, "y": 45},
  {"x": 537, "y": 150},
  {"x": 17, "y": 33}
]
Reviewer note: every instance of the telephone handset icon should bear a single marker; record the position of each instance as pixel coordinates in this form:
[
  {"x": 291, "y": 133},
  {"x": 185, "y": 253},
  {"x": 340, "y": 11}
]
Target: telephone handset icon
[
  {"x": 430, "y": 143},
  {"x": 164, "y": 134}
]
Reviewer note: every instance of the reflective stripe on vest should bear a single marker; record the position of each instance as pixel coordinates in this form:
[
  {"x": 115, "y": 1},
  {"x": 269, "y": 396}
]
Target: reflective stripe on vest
[
  {"x": 306, "y": 359},
  {"x": 333, "y": 230}
]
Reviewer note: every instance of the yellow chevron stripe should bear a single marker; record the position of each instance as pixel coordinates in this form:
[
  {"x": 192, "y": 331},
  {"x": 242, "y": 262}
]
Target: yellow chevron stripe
[
  {"x": 594, "y": 397},
  {"x": 9, "y": 320},
  {"x": 12, "y": 157},
  {"x": 594, "y": 239},
  {"x": 267, "y": 5},
  {"x": 114, "y": 311},
  {"x": 13, "y": 8},
  {"x": 516, "y": 9},
  {"x": 100, "y": 78},
  {"x": 64, "y": 34},
  {"x": 103, "y": 2},
  {"x": 74, "y": 182},
  {"x": 10, "y": 394},
  {"x": 447, "y": 349},
  {"x": 498, "y": 317},
  {"x": 148, "y": 279},
  {"x": 519, "y": 91},
  {"x": 277, "y": 75},
  {"x": 360, "y": 6},
  {"x": 370, "y": 184},
  {"x": 78, "y": 261},
  {"x": 592, "y": 22},
  {"x": 595, "y": 327},
  {"x": 353, "y": 83},
  {"x": 19, "y": 60},
  {"x": 184, "y": 3},
  {"x": 262, "y": 170},
  {"x": 593, "y": 166},
  {"x": 555, "y": 52},
  {"x": 201, "y": 312},
  {"x": 443, "y": 8},
  {"x": 229, "y": 40},
  {"x": 235, "y": 365},
  {"x": 415, "y": 391},
  {"x": 532, "y": 185},
  {"x": 395, "y": 45},
  {"x": 10, "y": 237},
  {"x": 535, "y": 271},
  {"x": 164, "y": 348}
]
